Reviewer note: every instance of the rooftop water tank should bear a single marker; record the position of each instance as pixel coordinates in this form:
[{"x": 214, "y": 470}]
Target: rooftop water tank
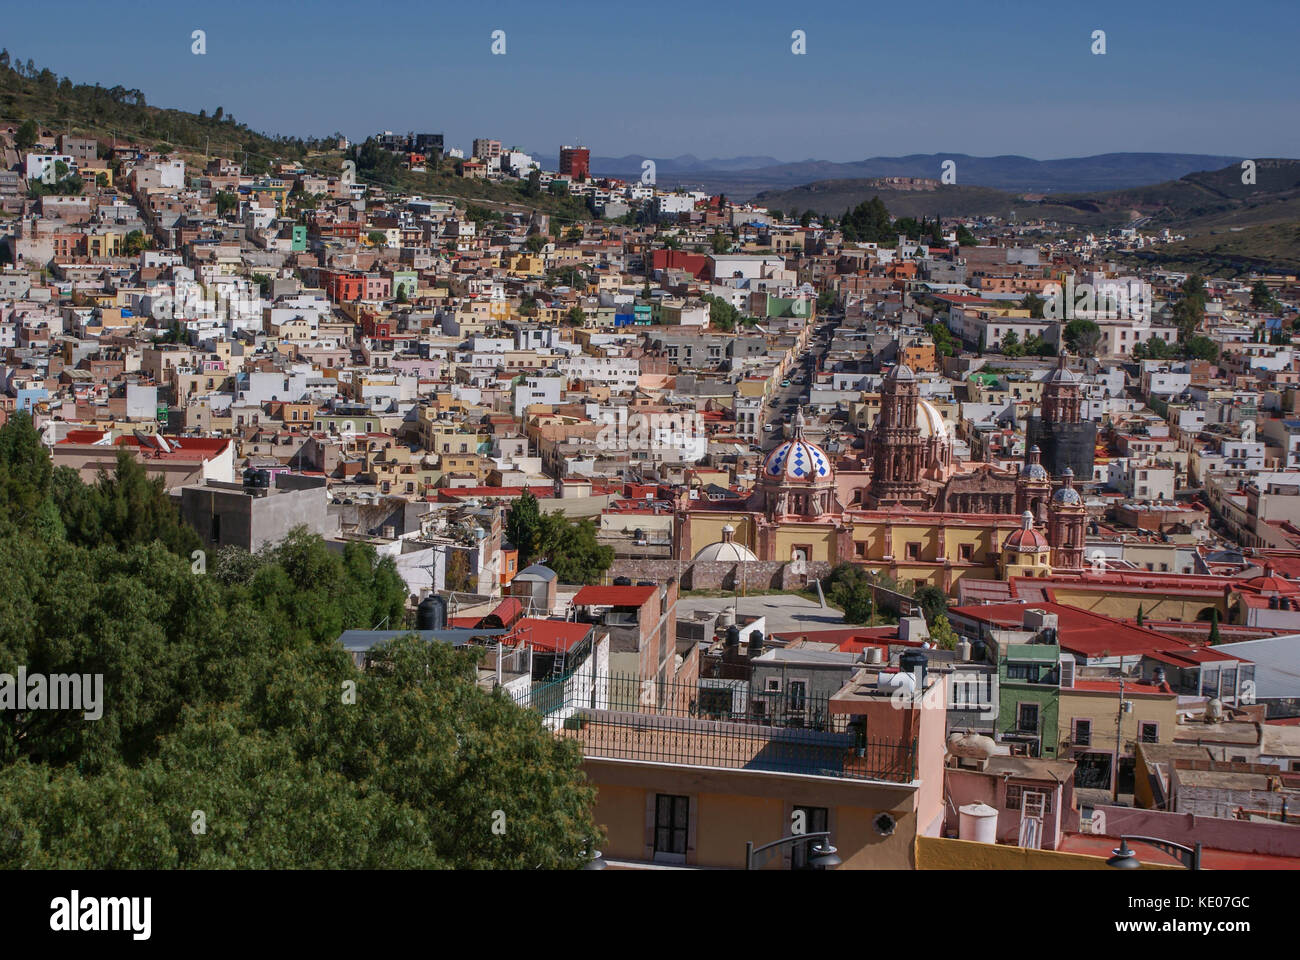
[
  {"x": 978, "y": 822},
  {"x": 431, "y": 614},
  {"x": 912, "y": 660}
]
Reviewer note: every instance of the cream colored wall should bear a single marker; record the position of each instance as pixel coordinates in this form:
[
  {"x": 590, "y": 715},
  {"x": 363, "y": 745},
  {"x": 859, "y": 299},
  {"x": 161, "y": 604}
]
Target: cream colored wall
[
  {"x": 734, "y": 806},
  {"x": 1102, "y": 709},
  {"x": 1155, "y": 606}
]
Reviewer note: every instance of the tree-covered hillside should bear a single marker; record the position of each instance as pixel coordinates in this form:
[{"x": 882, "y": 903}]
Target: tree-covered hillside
[{"x": 235, "y": 731}]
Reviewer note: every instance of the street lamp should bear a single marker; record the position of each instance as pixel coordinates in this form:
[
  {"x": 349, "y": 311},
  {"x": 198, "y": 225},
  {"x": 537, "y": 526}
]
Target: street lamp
[
  {"x": 1125, "y": 859},
  {"x": 822, "y": 855}
]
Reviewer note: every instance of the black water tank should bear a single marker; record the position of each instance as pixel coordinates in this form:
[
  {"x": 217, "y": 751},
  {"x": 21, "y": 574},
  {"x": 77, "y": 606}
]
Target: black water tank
[
  {"x": 646, "y": 583},
  {"x": 431, "y": 614},
  {"x": 733, "y": 639},
  {"x": 979, "y": 651},
  {"x": 755, "y": 644},
  {"x": 257, "y": 482},
  {"x": 911, "y": 660},
  {"x": 622, "y": 581}
]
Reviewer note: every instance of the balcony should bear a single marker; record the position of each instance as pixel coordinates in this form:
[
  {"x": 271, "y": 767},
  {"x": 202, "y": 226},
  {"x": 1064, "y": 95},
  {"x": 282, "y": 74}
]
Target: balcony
[{"x": 621, "y": 718}]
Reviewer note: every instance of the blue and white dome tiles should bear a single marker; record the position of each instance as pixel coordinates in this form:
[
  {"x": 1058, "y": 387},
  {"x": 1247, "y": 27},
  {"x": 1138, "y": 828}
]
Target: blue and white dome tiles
[{"x": 797, "y": 459}]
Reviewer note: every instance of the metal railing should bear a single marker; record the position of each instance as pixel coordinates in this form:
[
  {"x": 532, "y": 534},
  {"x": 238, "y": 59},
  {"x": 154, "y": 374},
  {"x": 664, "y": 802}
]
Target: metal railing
[{"x": 629, "y": 718}]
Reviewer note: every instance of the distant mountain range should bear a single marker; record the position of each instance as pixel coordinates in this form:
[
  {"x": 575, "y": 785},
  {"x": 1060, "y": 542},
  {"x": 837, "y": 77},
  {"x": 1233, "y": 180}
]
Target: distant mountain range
[
  {"x": 1203, "y": 199},
  {"x": 745, "y": 177}
]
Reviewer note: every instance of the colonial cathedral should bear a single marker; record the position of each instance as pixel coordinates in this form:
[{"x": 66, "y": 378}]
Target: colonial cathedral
[{"x": 913, "y": 515}]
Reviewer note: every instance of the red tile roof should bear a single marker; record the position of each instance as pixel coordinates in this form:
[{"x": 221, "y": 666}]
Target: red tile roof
[
  {"x": 614, "y": 596},
  {"x": 1080, "y": 631},
  {"x": 549, "y": 636}
]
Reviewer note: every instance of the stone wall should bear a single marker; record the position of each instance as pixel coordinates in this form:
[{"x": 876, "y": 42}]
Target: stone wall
[{"x": 750, "y": 576}]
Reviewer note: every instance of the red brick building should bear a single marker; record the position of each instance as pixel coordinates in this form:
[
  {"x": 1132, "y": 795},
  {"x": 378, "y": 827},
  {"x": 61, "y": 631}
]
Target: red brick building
[{"x": 575, "y": 162}]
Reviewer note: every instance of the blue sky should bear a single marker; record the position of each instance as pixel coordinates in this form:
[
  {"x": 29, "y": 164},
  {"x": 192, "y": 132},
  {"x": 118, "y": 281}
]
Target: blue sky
[{"x": 713, "y": 78}]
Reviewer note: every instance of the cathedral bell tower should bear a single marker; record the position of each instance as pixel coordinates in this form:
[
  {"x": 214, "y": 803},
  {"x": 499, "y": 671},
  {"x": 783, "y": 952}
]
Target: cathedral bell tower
[
  {"x": 897, "y": 450},
  {"x": 1033, "y": 486},
  {"x": 1067, "y": 523}
]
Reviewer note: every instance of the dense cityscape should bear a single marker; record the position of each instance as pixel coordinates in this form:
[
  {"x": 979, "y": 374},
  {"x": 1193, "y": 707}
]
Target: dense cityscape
[{"x": 398, "y": 502}]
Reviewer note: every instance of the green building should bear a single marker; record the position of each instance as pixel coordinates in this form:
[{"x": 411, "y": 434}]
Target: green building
[
  {"x": 407, "y": 279},
  {"x": 1029, "y": 693}
]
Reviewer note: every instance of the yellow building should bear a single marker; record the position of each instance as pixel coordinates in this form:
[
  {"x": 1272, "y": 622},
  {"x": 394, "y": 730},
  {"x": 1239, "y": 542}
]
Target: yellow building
[{"x": 1090, "y": 716}]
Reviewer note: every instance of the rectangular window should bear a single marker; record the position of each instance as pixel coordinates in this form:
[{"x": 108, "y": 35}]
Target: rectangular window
[
  {"x": 1228, "y": 682},
  {"x": 671, "y": 816},
  {"x": 1027, "y": 717},
  {"x": 1083, "y": 733},
  {"x": 1023, "y": 671},
  {"x": 914, "y": 551},
  {"x": 1016, "y": 791},
  {"x": 966, "y": 551},
  {"x": 798, "y": 695},
  {"x": 1149, "y": 733}
]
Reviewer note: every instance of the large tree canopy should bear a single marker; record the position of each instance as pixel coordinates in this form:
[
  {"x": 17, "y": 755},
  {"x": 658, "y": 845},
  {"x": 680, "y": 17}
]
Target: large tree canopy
[{"x": 235, "y": 731}]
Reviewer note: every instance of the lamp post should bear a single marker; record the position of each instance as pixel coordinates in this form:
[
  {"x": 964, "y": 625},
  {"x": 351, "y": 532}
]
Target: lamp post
[
  {"x": 823, "y": 855},
  {"x": 1125, "y": 859}
]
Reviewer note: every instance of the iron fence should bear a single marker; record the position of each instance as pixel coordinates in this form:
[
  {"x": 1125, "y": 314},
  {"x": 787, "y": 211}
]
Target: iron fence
[{"x": 720, "y": 725}]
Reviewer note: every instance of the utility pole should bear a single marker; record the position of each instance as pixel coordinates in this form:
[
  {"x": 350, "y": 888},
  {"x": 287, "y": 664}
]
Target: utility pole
[{"x": 1119, "y": 730}]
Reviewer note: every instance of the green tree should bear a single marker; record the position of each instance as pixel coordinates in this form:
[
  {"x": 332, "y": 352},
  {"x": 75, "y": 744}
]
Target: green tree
[
  {"x": 720, "y": 242},
  {"x": 523, "y": 526},
  {"x": 27, "y": 134},
  {"x": 1189, "y": 312},
  {"x": 1082, "y": 337},
  {"x": 25, "y": 477},
  {"x": 1201, "y": 348},
  {"x": 1214, "y": 626},
  {"x": 1034, "y": 304},
  {"x": 942, "y": 633},
  {"x": 571, "y": 550},
  {"x": 722, "y": 315},
  {"x": 122, "y": 508},
  {"x": 932, "y": 601},
  {"x": 1261, "y": 297},
  {"x": 1010, "y": 345},
  {"x": 135, "y": 242},
  {"x": 849, "y": 587}
]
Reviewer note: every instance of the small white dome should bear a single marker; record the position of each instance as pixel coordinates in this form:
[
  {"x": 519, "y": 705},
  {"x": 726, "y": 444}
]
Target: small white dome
[{"x": 725, "y": 552}]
